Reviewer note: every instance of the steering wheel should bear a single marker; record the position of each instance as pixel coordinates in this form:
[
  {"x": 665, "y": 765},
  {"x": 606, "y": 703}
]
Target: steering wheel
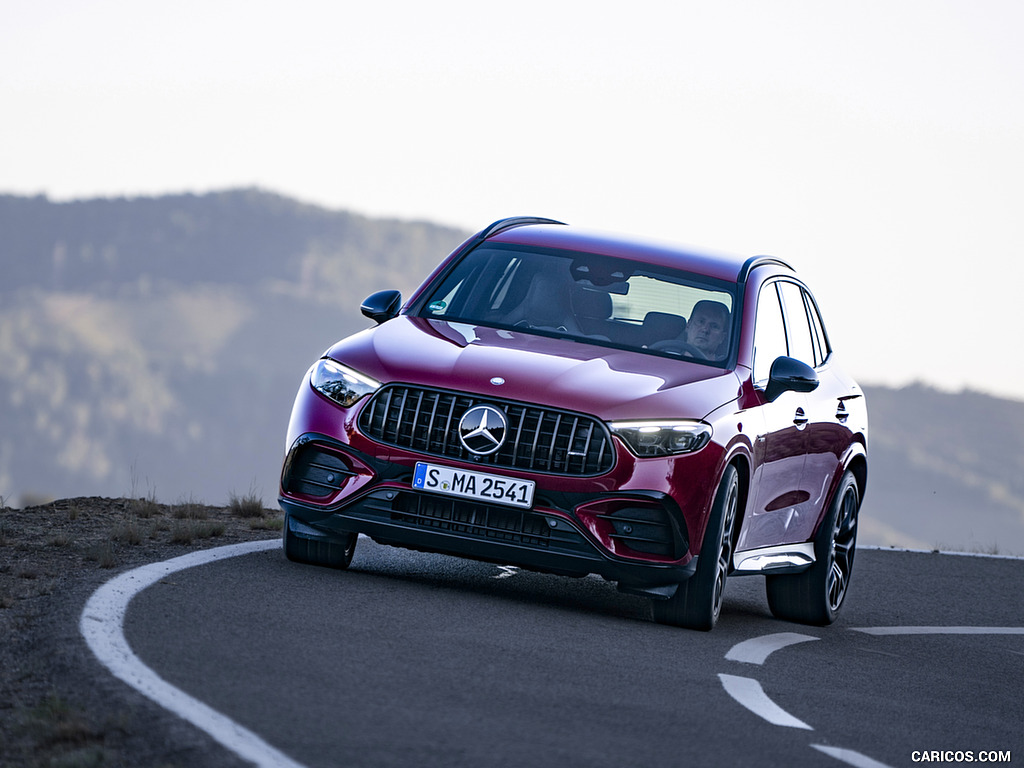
[
  {"x": 527, "y": 324},
  {"x": 678, "y": 347}
]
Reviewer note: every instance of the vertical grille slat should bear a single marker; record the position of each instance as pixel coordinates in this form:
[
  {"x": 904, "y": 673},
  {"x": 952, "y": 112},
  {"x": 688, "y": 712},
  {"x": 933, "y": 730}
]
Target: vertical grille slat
[
  {"x": 572, "y": 452},
  {"x": 445, "y": 428},
  {"x": 400, "y": 417},
  {"x": 415, "y": 420},
  {"x": 433, "y": 418},
  {"x": 538, "y": 439},
  {"x": 554, "y": 441},
  {"x": 391, "y": 437},
  {"x": 517, "y": 439}
]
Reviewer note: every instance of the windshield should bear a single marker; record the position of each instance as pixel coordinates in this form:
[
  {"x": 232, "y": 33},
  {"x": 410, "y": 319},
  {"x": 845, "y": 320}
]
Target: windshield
[{"x": 589, "y": 298}]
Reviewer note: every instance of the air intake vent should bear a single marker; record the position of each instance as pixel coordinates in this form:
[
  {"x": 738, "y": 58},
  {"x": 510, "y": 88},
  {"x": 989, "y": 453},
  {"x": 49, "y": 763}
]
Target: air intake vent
[
  {"x": 642, "y": 529},
  {"x": 537, "y": 439},
  {"x": 316, "y": 472},
  {"x": 466, "y": 518}
]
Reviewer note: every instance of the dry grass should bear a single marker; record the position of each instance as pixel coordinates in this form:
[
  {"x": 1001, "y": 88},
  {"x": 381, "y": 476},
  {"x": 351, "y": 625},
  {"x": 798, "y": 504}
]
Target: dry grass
[
  {"x": 267, "y": 523},
  {"x": 128, "y": 531},
  {"x": 186, "y": 531},
  {"x": 101, "y": 553},
  {"x": 60, "y": 728},
  {"x": 247, "y": 506},
  {"x": 190, "y": 510},
  {"x": 60, "y": 539},
  {"x": 143, "y": 508}
]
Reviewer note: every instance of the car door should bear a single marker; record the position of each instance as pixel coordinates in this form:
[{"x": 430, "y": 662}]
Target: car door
[
  {"x": 827, "y": 433},
  {"x": 779, "y": 496}
]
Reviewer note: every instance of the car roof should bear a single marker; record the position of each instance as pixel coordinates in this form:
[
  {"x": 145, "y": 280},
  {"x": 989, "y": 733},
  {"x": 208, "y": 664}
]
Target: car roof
[{"x": 723, "y": 266}]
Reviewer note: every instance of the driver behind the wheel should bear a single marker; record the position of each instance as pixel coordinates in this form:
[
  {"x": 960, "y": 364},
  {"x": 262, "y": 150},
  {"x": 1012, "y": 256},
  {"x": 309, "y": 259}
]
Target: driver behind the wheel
[{"x": 708, "y": 329}]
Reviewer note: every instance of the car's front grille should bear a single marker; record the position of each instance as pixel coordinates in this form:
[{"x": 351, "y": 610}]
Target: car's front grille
[
  {"x": 467, "y": 518},
  {"x": 537, "y": 439}
]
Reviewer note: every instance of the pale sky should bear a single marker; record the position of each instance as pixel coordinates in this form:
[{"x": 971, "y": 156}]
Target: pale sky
[{"x": 878, "y": 146}]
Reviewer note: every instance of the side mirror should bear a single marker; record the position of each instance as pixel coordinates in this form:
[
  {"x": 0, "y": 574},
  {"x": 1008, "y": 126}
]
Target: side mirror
[
  {"x": 382, "y": 306},
  {"x": 789, "y": 375}
]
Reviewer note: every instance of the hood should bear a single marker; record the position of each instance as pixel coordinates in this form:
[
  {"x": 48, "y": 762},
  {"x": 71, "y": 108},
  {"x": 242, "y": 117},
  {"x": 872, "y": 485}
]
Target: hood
[{"x": 609, "y": 383}]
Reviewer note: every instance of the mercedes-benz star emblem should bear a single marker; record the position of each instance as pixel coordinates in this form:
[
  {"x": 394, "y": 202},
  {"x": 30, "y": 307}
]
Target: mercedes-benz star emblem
[{"x": 482, "y": 429}]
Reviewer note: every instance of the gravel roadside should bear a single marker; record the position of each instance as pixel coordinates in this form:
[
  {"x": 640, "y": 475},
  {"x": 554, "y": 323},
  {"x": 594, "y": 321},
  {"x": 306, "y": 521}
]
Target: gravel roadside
[{"x": 58, "y": 706}]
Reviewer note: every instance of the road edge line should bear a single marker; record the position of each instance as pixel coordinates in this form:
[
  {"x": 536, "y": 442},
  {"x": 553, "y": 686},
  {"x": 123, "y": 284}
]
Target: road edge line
[{"x": 102, "y": 626}]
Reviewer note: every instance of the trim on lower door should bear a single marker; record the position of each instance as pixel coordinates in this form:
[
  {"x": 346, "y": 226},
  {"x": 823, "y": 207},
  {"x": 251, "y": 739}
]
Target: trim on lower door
[{"x": 788, "y": 558}]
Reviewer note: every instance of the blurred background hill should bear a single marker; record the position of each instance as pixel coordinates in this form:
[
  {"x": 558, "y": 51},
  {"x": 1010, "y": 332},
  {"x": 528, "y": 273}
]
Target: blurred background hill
[{"x": 152, "y": 346}]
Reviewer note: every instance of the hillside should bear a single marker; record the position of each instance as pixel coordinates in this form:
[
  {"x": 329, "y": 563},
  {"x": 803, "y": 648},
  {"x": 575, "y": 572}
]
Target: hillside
[
  {"x": 947, "y": 470},
  {"x": 152, "y": 347}
]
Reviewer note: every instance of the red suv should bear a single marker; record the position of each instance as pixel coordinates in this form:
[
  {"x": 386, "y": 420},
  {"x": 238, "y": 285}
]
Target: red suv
[{"x": 573, "y": 402}]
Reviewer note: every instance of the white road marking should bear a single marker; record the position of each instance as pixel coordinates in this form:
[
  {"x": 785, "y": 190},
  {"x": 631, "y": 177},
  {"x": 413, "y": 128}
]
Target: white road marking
[
  {"x": 507, "y": 572},
  {"x": 751, "y": 695},
  {"x": 878, "y": 631},
  {"x": 850, "y": 757},
  {"x": 102, "y": 626},
  {"x": 757, "y": 649}
]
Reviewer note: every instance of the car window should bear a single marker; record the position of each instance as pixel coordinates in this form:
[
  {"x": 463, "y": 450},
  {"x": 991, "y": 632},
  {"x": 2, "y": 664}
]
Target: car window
[
  {"x": 798, "y": 331},
  {"x": 596, "y": 299},
  {"x": 646, "y": 294},
  {"x": 822, "y": 348},
  {"x": 769, "y": 333}
]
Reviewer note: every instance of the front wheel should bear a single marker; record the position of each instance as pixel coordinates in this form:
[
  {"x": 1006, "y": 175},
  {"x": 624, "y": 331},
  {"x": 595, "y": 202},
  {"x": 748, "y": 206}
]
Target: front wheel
[
  {"x": 816, "y": 595},
  {"x": 697, "y": 602},
  {"x": 316, "y": 548}
]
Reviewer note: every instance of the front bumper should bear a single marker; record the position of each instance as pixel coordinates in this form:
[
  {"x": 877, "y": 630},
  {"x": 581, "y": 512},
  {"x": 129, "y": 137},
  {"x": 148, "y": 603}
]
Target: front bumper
[{"x": 637, "y": 539}]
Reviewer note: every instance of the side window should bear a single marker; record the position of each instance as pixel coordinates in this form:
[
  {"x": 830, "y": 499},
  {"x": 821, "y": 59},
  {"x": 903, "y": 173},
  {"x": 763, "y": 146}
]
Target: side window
[
  {"x": 769, "y": 333},
  {"x": 801, "y": 345},
  {"x": 822, "y": 348}
]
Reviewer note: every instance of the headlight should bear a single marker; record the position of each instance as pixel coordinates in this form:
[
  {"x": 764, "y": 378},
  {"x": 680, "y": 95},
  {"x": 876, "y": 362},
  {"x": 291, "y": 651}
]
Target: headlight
[
  {"x": 663, "y": 438},
  {"x": 340, "y": 383}
]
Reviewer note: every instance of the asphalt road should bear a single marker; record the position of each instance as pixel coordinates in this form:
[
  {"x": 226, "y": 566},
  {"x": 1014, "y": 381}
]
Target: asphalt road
[{"x": 410, "y": 659}]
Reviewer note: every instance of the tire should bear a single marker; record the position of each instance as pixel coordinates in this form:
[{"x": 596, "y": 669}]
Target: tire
[
  {"x": 322, "y": 549},
  {"x": 816, "y": 595},
  {"x": 697, "y": 602}
]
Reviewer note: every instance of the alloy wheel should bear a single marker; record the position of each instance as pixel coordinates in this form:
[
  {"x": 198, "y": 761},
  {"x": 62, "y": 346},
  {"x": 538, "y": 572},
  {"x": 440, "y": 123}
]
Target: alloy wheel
[
  {"x": 841, "y": 551},
  {"x": 725, "y": 549}
]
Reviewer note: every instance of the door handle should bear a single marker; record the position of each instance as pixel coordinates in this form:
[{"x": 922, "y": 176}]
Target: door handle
[
  {"x": 841, "y": 413},
  {"x": 800, "y": 418}
]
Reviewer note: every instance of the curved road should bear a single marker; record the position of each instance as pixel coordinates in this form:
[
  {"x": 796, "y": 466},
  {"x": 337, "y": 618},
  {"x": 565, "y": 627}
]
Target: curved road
[{"x": 410, "y": 659}]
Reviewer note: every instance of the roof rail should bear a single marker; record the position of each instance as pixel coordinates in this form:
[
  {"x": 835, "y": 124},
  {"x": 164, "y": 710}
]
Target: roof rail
[
  {"x": 758, "y": 261},
  {"x": 514, "y": 221}
]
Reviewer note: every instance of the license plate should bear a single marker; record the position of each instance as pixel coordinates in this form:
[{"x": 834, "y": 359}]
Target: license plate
[{"x": 473, "y": 485}]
